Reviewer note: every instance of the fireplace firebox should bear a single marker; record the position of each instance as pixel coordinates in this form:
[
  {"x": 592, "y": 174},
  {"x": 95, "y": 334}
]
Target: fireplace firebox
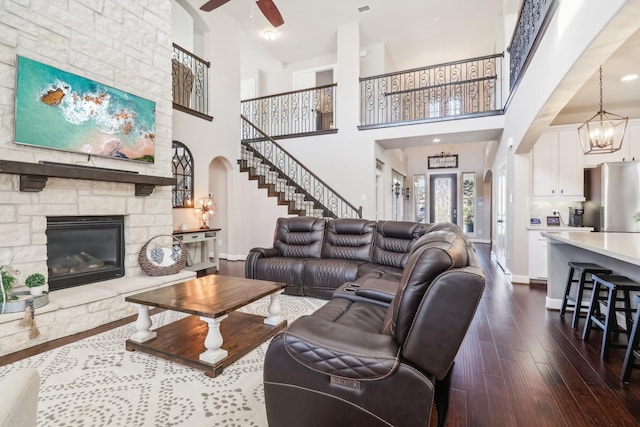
[{"x": 84, "y": 249}]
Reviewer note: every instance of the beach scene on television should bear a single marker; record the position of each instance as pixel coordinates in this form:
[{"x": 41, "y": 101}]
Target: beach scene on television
[{"x": 63, "y": 111}]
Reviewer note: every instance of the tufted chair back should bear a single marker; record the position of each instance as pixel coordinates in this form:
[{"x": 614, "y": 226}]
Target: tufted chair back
[
  {"x": 394, "y": 240},
  {"x": 299, "y": 237},
  {"x": 348, "y": 238}
]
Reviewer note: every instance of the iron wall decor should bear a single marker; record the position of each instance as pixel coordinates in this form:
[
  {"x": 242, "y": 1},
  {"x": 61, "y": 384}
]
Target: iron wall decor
[
  {"x": 442, "y": 161},
  {"x": 63, "y": 111}
]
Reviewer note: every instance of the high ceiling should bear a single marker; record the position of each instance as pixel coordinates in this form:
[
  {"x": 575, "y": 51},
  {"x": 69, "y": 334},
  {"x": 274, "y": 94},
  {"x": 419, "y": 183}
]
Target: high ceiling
[
  {"x": 618, "y": 97},
  {"x": 415, "y": 32}
]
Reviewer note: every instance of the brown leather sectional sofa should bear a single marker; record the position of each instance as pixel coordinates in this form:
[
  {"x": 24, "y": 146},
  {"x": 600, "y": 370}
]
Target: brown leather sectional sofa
[
  {"x": 315, "y": 256},
  {"x": 382, "y": 350}
]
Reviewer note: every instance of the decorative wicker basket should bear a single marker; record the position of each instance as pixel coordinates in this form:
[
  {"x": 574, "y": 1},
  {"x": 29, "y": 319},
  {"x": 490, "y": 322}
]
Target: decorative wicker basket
[{"x": 153, "y": 268}]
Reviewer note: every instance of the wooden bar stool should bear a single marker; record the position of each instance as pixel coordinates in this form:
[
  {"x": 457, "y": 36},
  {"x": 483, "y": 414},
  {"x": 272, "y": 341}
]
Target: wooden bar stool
[
  {"x": 584, "y": 283},
  {"x": 633, "y": 348},
  {"x": 607, "y": 320}
]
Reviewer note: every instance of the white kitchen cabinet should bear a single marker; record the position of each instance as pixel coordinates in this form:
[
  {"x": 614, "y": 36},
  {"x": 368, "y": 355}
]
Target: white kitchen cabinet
[
  {"x": 537, "y": 256},
  {"x": 558, "y": 164},
  {"x": 538, "y": 248}
]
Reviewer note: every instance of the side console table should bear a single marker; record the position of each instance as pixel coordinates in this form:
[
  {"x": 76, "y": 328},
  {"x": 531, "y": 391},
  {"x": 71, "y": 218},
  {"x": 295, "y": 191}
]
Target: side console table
[{"x": 201, "y": 237}]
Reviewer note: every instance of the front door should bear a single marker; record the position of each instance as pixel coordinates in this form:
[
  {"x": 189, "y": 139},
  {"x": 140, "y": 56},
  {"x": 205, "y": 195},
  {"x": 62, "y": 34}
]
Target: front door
[{"x": 443, "y": 198}]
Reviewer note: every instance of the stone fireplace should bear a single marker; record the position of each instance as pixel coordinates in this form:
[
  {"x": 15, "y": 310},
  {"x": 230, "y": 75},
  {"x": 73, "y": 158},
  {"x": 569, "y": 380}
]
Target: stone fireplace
[
  {"x": 38, "y": 183},
  {"x": 26, "y": 220},
  {"x": 84, "y": 249}
]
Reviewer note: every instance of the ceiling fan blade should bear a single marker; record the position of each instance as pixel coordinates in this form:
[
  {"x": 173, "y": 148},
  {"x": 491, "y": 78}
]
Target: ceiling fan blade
[
  {"x": 212, "y": 4},
  {"x": 271, "y": 12}
]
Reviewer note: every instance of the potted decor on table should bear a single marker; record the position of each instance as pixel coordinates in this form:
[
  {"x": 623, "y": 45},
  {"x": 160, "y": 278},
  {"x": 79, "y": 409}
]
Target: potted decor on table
[
  {"x": 8, "y": 279},
  {"x": 35, "y": 282}
]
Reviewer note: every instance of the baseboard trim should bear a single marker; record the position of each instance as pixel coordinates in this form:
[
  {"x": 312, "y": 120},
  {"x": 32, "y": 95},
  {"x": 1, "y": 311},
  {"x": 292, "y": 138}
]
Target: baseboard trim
[
  {"x": 519, "y": 279},
  {"x": 480, "y": 240},
  {"x": 554, "y": 304}
]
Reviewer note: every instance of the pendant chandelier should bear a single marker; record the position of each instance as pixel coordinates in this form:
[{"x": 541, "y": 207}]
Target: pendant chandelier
[{"x": 602, "y": 133}]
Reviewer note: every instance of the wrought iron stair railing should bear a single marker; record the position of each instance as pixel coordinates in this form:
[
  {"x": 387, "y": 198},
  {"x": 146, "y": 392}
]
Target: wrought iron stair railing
[{"x": 296, "y": 177}]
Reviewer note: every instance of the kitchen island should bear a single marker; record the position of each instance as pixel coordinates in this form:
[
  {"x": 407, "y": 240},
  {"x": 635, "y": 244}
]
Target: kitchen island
[{"x": 618, "y": 251}]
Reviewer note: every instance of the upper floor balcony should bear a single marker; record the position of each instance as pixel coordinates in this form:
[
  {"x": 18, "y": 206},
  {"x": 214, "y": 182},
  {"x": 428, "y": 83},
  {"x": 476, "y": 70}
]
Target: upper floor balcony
[
  {"x": 468, "y": 88},
  {"x": 461, "y": 89},
  {"x": 190, "y": 83}
]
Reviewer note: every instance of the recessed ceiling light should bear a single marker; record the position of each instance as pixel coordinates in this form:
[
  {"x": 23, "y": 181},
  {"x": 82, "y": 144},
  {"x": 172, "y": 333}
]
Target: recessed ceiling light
[
  {"x": 436, "y": 139},
  {"x": 269, "y": 35},
  {"x": 628, "y": 77},
  {"x": 363, "y": 9}
]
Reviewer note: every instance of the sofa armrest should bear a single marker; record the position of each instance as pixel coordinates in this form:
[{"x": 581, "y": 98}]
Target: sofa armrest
[
  {"x": 265, "y": 252},
  {"x": 254, "y": 255},
  {"x": 19, "y": 390},
  {"x": 341, "y": 351},
  {"x": 445, "y": 313}
]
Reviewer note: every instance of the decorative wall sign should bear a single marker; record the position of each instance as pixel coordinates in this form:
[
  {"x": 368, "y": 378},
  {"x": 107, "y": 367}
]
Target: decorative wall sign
[
  {"x": 63, "y": 111},
  {"x": 442, "y": 161}
]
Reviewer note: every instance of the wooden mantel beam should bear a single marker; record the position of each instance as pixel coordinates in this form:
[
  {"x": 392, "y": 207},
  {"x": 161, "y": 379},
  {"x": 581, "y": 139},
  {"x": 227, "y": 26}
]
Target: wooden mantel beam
[{"x": 33, "y": 176}]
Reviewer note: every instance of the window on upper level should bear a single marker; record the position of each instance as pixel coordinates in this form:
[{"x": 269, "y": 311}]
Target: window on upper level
[
  {"x": 454, "y": 107},
  {"x": 434, "y": 109}
]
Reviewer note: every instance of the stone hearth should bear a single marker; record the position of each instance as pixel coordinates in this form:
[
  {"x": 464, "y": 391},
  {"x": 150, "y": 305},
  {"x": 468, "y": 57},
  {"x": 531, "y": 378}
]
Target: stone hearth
[
  {"x": 24, "y": 246},
  {"x": 81, "y": 308}
]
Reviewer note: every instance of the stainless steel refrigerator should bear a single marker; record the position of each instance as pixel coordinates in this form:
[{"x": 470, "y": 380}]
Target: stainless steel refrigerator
[{"x": 612, "y": 192}]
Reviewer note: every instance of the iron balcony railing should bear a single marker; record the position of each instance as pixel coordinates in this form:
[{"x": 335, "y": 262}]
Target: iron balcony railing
[
  {"x": 315, "y": 189},
  {"x": 292, "y": 114},
  {"x": 466, "y": 88},
  {"x": 190, "y": 82},
  {"x": 532, "y": 22}
]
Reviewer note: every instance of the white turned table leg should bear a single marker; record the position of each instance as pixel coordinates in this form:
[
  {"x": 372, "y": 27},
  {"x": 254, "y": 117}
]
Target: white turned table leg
[
  {"x": 213, "y": 341},
  {"x": 143, "y": 331},
  {"x": 274, "y": 310}
]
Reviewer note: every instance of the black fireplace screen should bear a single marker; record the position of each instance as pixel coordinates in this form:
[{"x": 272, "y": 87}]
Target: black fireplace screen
[{"x": 82, "y": 250}]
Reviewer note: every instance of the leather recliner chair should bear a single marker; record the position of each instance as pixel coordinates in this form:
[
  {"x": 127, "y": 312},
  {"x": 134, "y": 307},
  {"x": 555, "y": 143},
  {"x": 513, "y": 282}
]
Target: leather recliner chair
[{"x": 353, "y": 362}]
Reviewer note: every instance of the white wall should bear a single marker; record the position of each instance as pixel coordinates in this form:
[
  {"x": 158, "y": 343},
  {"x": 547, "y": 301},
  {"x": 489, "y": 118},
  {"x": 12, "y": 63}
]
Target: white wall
[
  {"x": 580, "y": 37},
  {"x": 220, "y": 138},
  {"x": 182, "y": 27}
]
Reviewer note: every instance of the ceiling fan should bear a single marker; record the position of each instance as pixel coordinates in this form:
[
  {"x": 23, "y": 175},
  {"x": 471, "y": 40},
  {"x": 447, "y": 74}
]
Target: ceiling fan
[{"x": 267, "y": 7}]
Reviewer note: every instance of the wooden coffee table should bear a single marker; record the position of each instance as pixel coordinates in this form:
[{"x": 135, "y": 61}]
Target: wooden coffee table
[{"x": 215, "y": 335}]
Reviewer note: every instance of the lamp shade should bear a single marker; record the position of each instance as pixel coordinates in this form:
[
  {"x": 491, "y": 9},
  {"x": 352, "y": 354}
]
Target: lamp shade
[{"x": 203, "y": 209}]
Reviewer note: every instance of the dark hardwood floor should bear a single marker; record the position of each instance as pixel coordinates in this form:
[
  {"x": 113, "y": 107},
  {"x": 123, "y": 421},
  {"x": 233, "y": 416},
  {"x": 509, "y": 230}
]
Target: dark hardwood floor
[{"x": 520, "y": 365}]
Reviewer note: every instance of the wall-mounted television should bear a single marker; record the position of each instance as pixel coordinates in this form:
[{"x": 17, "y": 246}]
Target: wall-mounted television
[{"x": 63, "y": 111}]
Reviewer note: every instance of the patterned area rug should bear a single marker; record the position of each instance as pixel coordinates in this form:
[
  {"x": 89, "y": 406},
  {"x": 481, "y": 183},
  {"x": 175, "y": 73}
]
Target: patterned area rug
[{"x": 96, "y": 382}]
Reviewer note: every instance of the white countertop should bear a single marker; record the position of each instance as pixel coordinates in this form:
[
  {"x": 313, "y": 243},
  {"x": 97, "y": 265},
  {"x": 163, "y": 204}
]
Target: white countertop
[
  {"x": 559, "y": 228},
  {"x": 622, "y": 246}
]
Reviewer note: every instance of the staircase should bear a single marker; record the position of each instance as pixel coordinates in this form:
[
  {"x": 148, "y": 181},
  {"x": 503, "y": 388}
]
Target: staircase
[
  {"x": 285, "y": 178},
  {"x": 277, "y": 185}
]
